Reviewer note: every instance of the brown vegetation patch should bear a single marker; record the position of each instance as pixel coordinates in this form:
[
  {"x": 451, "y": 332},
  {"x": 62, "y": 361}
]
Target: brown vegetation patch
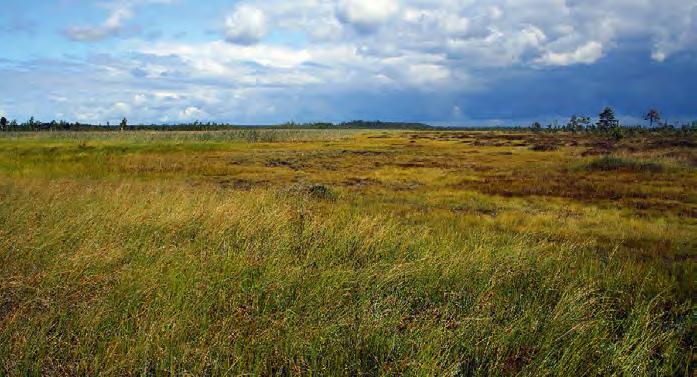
[
  {"x": 619, "y": 189},
  {"x": 515, "y": 363},
  {"x": 679, "y": 209},
  {"x": 482, "y": 168},
  {"x": 598, "y": 148},
  {"x": 286, "y": 163},
  {"x": 671, "y": 143},
  {"x": 361, "y": 153},
  {"x": 612, "y": 163},
  {"x": 480, "y": 143},
  {"x": 239, "y": 184},
  {"x": 425, "y": 164},
  {"x": 596, "y": 152},
  {"x": 544, "y": 147},
  {"x": 360, "y": 182},
  {"x": 405, "y": 186}
]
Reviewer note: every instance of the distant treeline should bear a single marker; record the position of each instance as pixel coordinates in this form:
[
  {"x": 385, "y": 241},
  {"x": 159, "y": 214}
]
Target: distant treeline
[
  {"x": 362, "y": 125},
  {"x": 606, "y": 124},
  {"x": 35, "y": 125}
]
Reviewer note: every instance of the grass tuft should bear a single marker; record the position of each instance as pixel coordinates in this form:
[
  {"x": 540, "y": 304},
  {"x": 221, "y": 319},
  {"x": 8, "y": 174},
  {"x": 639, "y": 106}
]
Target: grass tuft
[
  {"x": 544, "y": 147},
  {"x": 615, "y": 163}
]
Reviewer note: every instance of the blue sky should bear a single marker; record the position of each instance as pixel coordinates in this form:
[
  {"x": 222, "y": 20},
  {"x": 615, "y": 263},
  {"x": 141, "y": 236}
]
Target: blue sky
[{"x": 447, "y": 62}]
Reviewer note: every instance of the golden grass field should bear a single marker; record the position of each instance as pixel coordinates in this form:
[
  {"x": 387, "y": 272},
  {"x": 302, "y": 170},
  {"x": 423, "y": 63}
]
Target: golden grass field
[{"x": 290, "y": 252}]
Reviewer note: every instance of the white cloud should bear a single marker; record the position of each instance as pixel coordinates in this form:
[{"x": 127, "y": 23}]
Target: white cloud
[
  {"x": 119, "y": 13},
  {"x": 659, "y": 55},
  {"x": 112, "y": 26},
  {"x": 471, "y": 33},
  {"x": 246, "y": 25},
  {"x": 122, "y": 108},
  {"x": 192, "y": 113},
  {"x": 675, "y": 30},
  {"x": 139, "y": 99},
  {"x": 586, "y": 54},
  {"x": 414, "y": 44},
  {"x": 366, "y": 15},
  {"x": 427, "y": 73}
]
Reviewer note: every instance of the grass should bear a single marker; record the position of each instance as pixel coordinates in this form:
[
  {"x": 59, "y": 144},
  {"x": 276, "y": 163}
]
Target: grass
[
  {"x": 361, "y": 253},
  {"x": 614, "y": 163},
  {"x": 245, "y": 135}
]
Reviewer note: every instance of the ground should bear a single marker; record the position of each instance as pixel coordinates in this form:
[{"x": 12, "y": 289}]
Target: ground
[{"x": 297, "y": 252}]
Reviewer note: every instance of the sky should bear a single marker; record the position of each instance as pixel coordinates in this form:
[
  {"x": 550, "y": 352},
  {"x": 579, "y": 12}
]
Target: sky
[{"x": 447, "y": 62}]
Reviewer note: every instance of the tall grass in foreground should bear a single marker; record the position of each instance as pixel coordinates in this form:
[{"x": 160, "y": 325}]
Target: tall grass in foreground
[{"x": 152, "y": 278}]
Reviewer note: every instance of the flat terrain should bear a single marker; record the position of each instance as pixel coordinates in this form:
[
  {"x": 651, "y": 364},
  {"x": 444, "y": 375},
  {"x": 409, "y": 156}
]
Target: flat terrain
[{"x": 281, "y": 252}]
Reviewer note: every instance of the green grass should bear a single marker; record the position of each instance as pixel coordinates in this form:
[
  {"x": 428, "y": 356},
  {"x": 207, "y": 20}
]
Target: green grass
[{"x": 353, "y": 255}]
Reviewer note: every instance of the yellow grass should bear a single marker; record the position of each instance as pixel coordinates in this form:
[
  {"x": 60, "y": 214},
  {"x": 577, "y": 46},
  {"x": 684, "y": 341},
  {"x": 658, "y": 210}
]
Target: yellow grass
[{"x": 345, "y": 253}]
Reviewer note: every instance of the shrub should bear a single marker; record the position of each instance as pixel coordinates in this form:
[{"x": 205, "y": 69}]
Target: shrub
[
  {"x": 321, "y": 192},
  {"x": 544, "y": 147},
  {"x": 614, "y": 163},
  {"x": 314, "y": 191}
]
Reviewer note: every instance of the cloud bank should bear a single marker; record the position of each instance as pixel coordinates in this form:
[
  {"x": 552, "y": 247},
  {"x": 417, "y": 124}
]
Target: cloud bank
[{"x": 448, "y": 61}]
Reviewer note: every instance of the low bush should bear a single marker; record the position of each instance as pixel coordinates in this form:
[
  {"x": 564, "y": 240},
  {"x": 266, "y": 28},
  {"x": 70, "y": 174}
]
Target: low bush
[
  {"x": 614, "y": 163},
  {"x": 544, "y": 147}
]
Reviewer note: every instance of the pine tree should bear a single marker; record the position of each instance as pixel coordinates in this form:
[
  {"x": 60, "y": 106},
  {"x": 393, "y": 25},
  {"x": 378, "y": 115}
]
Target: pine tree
[
  {"x": 607, "y": 120},
  {"x": 578, "y": 123},
  {"x": 652, "y": 116}
]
